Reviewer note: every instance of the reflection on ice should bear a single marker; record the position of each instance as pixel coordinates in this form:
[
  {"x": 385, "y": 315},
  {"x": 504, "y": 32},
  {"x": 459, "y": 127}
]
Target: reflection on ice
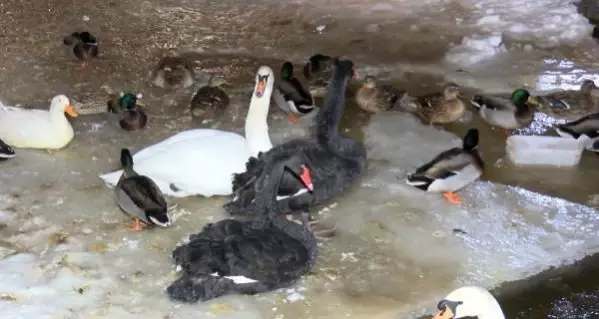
[
  {"x": 509, "y": 232},
  {"x": 563, "y": 74}
]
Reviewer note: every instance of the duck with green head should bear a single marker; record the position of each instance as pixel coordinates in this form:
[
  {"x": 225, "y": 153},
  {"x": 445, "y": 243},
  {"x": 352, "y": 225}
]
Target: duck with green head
[
  {"x": 451, "y": 170},
  {"x": 138, "y": 196},
  {"x": 132, "y": 117},
  {"x": 374, "y": 97},
  {"x": 210, "y": 98},
  {"x": 83, "y": 46},
  {"x": 291, "y": 96},
  {"x": 506, "y": 113}
]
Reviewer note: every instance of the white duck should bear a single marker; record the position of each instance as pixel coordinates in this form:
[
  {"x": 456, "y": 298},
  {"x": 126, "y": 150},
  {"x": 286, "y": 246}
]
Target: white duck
[
  {"x": 469, "y": 302},
  {"x": 33, "y": 128},
  {"x": 203, "y": 161}
]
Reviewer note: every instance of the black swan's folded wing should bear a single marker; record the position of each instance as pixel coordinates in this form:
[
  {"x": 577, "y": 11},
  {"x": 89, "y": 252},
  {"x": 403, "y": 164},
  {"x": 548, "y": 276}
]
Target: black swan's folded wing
[{"x": 267, "y": 255}]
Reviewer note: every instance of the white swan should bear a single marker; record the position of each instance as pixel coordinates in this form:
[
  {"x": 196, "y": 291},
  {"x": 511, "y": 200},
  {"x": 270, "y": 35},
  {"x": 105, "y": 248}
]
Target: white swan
[
  {"x": 469, "y": 301},
  {"x": 203, "y": 161},
  {"x": 32, "y": 128}
]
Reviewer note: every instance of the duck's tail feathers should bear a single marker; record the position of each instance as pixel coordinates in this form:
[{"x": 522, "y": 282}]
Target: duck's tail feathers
[
  {"x": 477, "y": 101},
  {"x": 594, "y": 146},
  {"x": 112, "y": 178},
  {"x": 565, "y": 131},
  {"x": 419, "y": 181}
]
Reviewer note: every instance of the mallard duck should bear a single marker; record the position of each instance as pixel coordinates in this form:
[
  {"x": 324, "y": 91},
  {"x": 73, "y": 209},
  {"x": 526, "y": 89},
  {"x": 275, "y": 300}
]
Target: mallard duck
[
  {"x": 6, "y": 151},
  {"x": 585, "y": 127},
  {"x": 132, "y": 116},
  {"x": 572, "y": 103},
  {"x": 138, "y": 196},
  {"x": 291, "y": 96},
  {"x": 469, "y": 302},
  {"x": 318, "y": 73},
  {"x": 373, "y": 97},
  {"x": 210, "y": 98},
  {"x": 33, "y": 128},
  {"x": 507, "y": 113},
  {"x": 451, "y": 170},
  {"x": 203, "y": 161},
  {"x": 83, "y": 46},
  {"x": 442, "y": 107},
  {"x": 173, "y": 73}
]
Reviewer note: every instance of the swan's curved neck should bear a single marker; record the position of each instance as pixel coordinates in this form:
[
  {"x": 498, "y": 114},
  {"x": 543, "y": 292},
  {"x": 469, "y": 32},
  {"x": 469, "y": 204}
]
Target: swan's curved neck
[
  {"x": 57, "y": 114},
  {"x": 334, "y": 104},
  {"x": 256, "y": 125},
  {"x": 330, "y": 117},
  {"x": 300, "y": 233},
  {"x": 267, "y": 187}
]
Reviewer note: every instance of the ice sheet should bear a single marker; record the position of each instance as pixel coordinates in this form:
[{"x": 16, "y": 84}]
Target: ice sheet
[{"x": 532, "y": 24}]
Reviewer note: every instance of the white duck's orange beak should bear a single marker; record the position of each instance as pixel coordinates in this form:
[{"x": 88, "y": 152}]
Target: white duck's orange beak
[{"x": 70, "y": 110}]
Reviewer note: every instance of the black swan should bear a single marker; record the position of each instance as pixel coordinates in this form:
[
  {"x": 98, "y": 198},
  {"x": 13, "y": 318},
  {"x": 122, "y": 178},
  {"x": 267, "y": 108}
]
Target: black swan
[
  {"x": 335, "y": 162},
  {"x": 247, "y": 257}
]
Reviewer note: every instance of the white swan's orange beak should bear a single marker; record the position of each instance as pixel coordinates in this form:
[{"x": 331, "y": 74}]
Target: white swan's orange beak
[
  {"x": 70, "y": 111},
  {"x": 307, "y": 178},
  {"x": 261, "y": 87}
]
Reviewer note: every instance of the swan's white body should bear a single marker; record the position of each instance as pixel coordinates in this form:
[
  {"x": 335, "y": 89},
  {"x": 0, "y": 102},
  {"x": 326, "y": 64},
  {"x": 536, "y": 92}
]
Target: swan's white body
[
  {"x": 203, "y": 161},
  {"x": 32, "y": 128},
  {"x": 475, "y": 302}
]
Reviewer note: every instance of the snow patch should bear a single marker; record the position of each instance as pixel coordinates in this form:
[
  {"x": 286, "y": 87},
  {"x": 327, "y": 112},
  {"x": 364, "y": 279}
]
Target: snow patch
[
  {"x": 476, "y": 49},
  {"x": 544, "y": 23}
]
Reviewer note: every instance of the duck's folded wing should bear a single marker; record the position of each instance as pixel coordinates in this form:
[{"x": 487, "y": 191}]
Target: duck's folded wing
[
  {"x": 445, "y": 164},
  {"x": 391, "y": 94},
  {"x": 430, "y": 101},
  {"x": 587, "y": 125},
  {"x": 143, "y": 192},
  {"x": 498, "y": 103}
]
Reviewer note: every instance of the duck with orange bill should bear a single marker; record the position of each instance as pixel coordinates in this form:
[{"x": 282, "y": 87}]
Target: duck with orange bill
[
  {"x": 34, "y": 128},
  {"x": 451, "y": 170}
]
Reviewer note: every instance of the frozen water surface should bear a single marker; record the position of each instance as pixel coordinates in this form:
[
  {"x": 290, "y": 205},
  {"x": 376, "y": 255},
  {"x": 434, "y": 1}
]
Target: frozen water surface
[{"x": 65, "y": 250}]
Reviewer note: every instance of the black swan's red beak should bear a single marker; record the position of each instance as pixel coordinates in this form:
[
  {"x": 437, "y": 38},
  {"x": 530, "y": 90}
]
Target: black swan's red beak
[{"x": 307, "y": 178}]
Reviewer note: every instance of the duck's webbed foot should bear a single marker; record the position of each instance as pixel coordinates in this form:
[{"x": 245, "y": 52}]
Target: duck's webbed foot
[
  {"x": 320, "y": 231},
  {"x": 82, "y": 66}
]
